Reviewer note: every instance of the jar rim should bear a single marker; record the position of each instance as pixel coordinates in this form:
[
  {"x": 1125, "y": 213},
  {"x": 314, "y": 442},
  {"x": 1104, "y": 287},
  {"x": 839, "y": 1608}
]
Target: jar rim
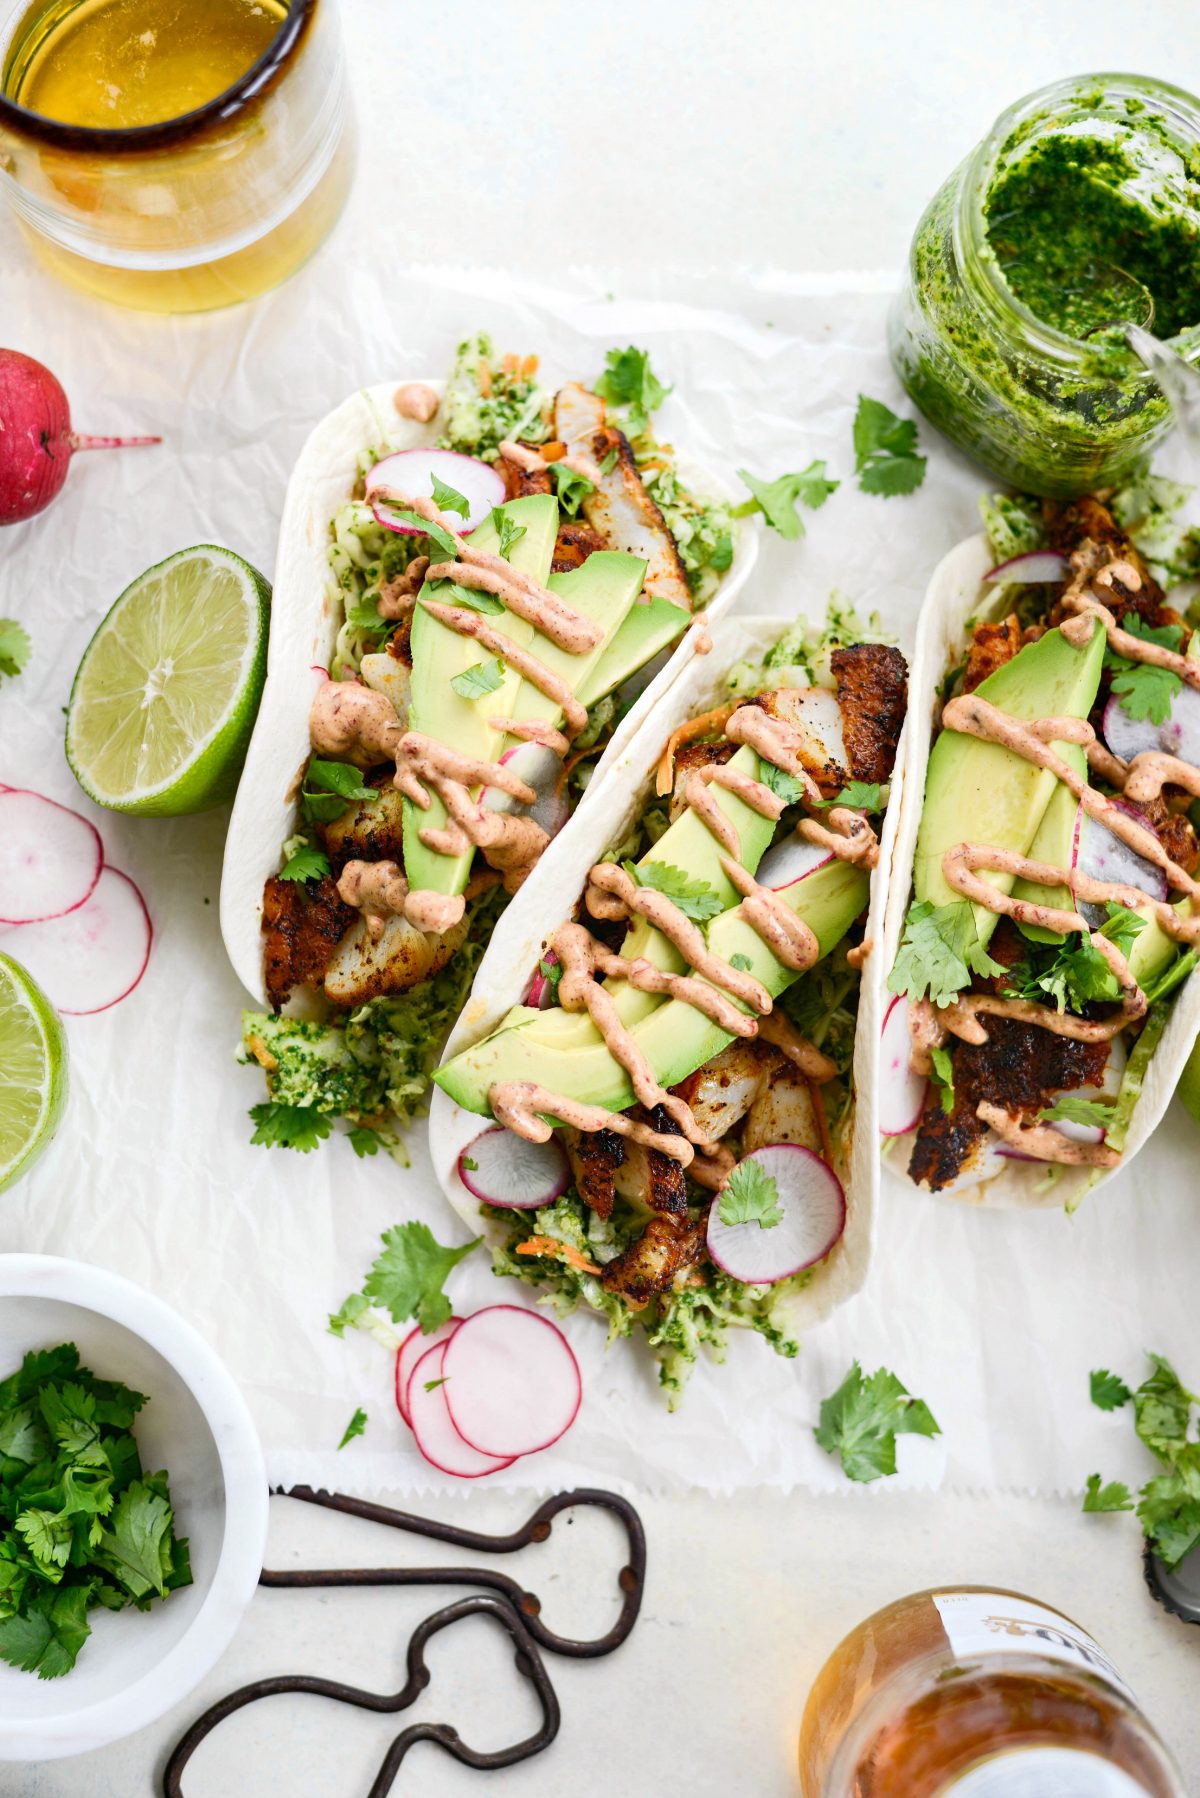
[
  {"x": 110, "y": 139},
  {"x": 969, "y": 223}
]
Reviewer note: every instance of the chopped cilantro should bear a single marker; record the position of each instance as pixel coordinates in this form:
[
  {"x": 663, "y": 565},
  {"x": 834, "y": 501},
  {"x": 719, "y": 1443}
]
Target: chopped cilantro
[
  {"x": 750, "y": 1196},
  {"x": 1108, "y": 1391},
  {"x": 571, "y": 487},
  {"x": 777, "y": 500},
  {"x": 1113, "y": 1497},
  {"x": 741, "y": 962},
  {"x": 480, "y": 678},
  {"x": 306, "y": 863},
  {"x": 14, "y": 647},
  {"x": 508, "y": 532},
  {"x": 861, "y": 1420},
  {"x": 1075, "y": 973},
  {"x": 609, "y": 461},
  {"x": 339, "y": 778},
  {"x": 943, "y": 1077},
  {"x": 785, "y": 786},
  {"x": 860, "y": 795},
  {"x": 628, "y": 380},
  {"x": 939, "y": 952},
  {"x": 355, "y": 1427},
  {"x": 551, "y": 971},
  {"x": 406, "y": 1279},
  {"x": 449, "y": 499},
  {"x": 279, "y": 1126},
  {"x": 1072, "y": 1110},
  {"x": 1168, "y": 1505},
  {"x": 437, "y": 533},
  {"x": 1146, "y": 692},
  {"x": 432, "y": 1385},
  {"x": 364, "y": 1141},
  {"x": 695, "y": 898},
  {"x": 474, "y": 599},
  {"x": 885, "y": 450}
]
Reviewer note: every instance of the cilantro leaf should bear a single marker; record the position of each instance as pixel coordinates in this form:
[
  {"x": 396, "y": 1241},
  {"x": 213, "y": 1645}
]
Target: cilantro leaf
[
  {"x": 1113, "y": 1497},
  {"x": 1146, "y": 693},
  {"x": 432, "y": 1385},
  {"x": 695, "y": 898},
  {"x": 750, "y": 1196},
  {"x": 508, "y": 532},
  {"x": 943, "y": 1077},
  {"x": 777, "y": 500},
  {"x": 1163, "y": 1407},
  {"x": 571, "y": 487},
  {"x": 307, "y": 863},
  {"x": 860, "y": 795},
  {"x": 449, "y": 499},
  {"x": 136, "y": 1547},
  {"x": 364, "y": 615},
  {"x": 355, "y": 1427},
  {"x": 1108, "y": 1392},
  {"x": 474, "y": 599},
  {"x": 14, "y": 646},
  {"x": 436, "y": 533},
  {"x": 408, "y": 1277},
  {"x": 46, "y": 1638},
  {"x": 339, "y": 778},
  {"x": 1070, "y": 1109},
  {"x": 364, "y": 1141},
  {"x": 741, "y": 962},
  {"x": 480, "y": 678},
  {"x": 939, "y": 952},
  {"x": 279, "y": 1126},
  {"x": 1122, "y": 927},
  {"x": 861, "y": 1420},
  {"x": 628, "y": 380},
  {"x": 609, "y": 461},
  {"x": 785, "y": 786},
  {"x": 885, "y": 450}
]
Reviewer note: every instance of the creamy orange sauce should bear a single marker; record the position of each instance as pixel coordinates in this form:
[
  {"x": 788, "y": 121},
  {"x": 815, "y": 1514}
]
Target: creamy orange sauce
[
  {"x": 523, "y": 596},
  {"x": 522, "y": 1107},
  {"x": 787, "y": 936},
  {"x": 353, "y": 723},
  {"x": 377, "y": 889},
  {"x": 848, "y": 836},
  {"x": 701, "y": 641},
  {"x": 510, "y": 843},
  {"x": 1153, "y": 770},
  {"x": 416, "y": 400},
  {"x": 1044, "y": 1142},
  {"x": 532, "y": 730},
  {"x": 782, "y": 1034},
  {"x": 554, "y": 686},
  {"x": 1090, "y": 612},
  {"x": 772, "y": 741},
  {"x": 398, "y": 596},
  {"x": 860, "y": 954},
  {"x": 529, "y": 461}
]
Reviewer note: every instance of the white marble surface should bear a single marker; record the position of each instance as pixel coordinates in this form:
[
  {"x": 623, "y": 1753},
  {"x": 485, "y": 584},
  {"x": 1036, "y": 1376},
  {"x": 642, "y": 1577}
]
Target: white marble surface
[{"x": 690, "y": 134}]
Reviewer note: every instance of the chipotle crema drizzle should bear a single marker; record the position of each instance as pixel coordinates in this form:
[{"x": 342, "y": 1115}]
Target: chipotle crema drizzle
[
  {"x": 1140, "y": 780},
  {"x": 733, "y": 999}
]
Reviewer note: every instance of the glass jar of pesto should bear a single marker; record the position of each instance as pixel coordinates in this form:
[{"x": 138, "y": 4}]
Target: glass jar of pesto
[{"x": 1079, "y": 211}]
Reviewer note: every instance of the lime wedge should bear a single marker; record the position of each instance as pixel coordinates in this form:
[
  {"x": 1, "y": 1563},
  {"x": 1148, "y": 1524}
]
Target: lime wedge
[
  {"x": 165, "y": 697},
  {"x": 33, "y": 1071}
]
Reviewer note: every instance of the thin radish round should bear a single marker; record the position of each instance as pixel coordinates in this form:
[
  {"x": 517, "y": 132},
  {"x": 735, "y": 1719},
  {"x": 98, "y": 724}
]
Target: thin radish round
[
  {"x": 542, "y": 770},
  {"x": 901, "y": 1089},
  {"x": 1179, "y": 735},
  {"x": 814, "y": 1215},
  {"x": 430, "y": 1421},
  {"x": 512, "y": 1381},
  {"x": 1102, "y": 855},
  {"x": 412, "y": 471},
  {"x": 50, "y": 857},
  {"x": 1036, "y": 567},
  {"x": 416, "y": 1344},
  {"x": 540, "y": 996},
  {"x": 790, "y": 861},
  {"x": 502, "y": 1169},
  {"x": 91, "y": 957}
]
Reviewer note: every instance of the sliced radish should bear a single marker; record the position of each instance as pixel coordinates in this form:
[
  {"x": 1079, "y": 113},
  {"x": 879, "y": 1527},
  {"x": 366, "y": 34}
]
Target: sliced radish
[
  {"x": 91, "y": 957},
  {"x": 540, "y": 996},
  {"x": 512, "y": 1381},
  {"x": 411, "y": 472},
  {"x": 540, "y": 768},
  {"x": 50, "y": 858},
  {"x": 416, "y": 1344},
  {"x": 1102, "y": 855},
  {"x": 1179, "y": 735},
  {"x": 901, "y": 1088},
  {"x": 1036, "y": 567},
  {"x": 431, "y": 1423},
  {"x": 790, "y": 861},
  {"x": 500, "y": 1168},
  {"x": 814, "y": 1216}
]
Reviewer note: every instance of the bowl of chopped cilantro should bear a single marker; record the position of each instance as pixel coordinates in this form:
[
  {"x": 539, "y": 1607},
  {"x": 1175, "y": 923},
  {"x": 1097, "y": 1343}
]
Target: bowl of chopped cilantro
[{"x": 133, "y": 1508}]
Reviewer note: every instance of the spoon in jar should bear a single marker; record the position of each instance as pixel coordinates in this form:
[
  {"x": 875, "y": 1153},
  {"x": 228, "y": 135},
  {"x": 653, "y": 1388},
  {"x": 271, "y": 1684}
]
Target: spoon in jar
[{"x": 1179, "y": 381}]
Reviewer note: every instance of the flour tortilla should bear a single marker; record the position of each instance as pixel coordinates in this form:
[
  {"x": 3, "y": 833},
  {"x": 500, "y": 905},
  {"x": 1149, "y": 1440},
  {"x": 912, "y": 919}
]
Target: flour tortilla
[
  {"x": 306, "y": 615},
  {"x": 957, "y": 593},
  {"x": 550, "y": 897}
]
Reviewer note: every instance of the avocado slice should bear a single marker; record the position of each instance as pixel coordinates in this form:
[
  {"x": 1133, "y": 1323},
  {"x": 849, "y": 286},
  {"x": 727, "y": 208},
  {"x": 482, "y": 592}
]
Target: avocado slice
[
  {"x": 983, "y": 793},
  {"x": 564, "y": 1052},
  {"x": 604, "y": 588},
  {"x": 647, "y": 628},
  {"x": 1054, "y": 842}
]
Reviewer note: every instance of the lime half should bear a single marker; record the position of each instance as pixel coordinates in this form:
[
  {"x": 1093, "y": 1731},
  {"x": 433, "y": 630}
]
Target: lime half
[
  {"x": 33, "y": 1071},
  {"x": 165, "y": 697}
]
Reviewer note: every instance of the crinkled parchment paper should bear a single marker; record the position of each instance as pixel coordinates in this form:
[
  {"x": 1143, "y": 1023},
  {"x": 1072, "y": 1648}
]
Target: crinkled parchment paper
[{"x": 993, "y": 1318}]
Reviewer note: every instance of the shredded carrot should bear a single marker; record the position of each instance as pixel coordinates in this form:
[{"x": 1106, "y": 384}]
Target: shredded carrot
[
  {"x": 554, "y": 451},
  {"x": 529, "y": 368},
  {"x": 818, "y": 1105},
  {"x": 558, "y": 1251},
  {"x": 261, "y": 1053},
  {"x": 485, "y": 379},
  {"x": 694, "y": 727},
  {"x": 509, "y": 364}
]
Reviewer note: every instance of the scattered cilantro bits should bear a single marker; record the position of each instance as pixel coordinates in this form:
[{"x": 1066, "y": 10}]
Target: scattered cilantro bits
[
  {"x": 939, "y": 952},
  {"x": 278, "y": 1126},
  {"x": 571, "y": 487},
  {"x": 81, "y": 1524},
  {"x": 750, "y": 1196},
  {"x": 628, "y": 380},
  {"x": 306, "y": 863},
  {"x": 448, "y": 499},
  {"x": 859, "y": 795},
  {"x": 695, "y": 898},
  {"x": 1146, "y": 692},
  {"x": 14, "y": 647},
  {"x": 355, "y": 1427},
  {"x": 508, "y": 532},
  {"x": 861, "y": 1420},
  {"x": 885, "y": 450},
  {"x": 1168, "y": 1505},
  {"x": 405, "y": 1280},
  {"x": 479, "y": 679},
  {"x": 779, "y": 499},
  {"x": 328, "y": 789},
  {"x": 943, "y": 1077}
]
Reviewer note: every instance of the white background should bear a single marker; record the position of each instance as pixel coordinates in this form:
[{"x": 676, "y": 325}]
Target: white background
[{"x": 635, "y": 139}]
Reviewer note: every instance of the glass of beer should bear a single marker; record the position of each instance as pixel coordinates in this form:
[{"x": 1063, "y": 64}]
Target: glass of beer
[{"x": 174, "y": 154}]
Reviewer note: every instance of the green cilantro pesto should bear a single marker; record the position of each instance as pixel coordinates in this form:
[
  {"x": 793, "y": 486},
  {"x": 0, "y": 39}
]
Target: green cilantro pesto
[{"x": 1080, "y": 211}]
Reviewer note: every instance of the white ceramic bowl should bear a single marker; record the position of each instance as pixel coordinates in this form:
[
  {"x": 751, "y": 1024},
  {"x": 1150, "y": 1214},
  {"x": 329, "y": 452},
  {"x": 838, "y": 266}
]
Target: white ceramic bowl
[{"x": 137, "y": 1664}]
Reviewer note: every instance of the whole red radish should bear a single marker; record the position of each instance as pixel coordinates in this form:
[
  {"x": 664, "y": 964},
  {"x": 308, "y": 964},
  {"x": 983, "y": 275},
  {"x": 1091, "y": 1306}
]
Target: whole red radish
[{"x": 36, "y": 439}]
